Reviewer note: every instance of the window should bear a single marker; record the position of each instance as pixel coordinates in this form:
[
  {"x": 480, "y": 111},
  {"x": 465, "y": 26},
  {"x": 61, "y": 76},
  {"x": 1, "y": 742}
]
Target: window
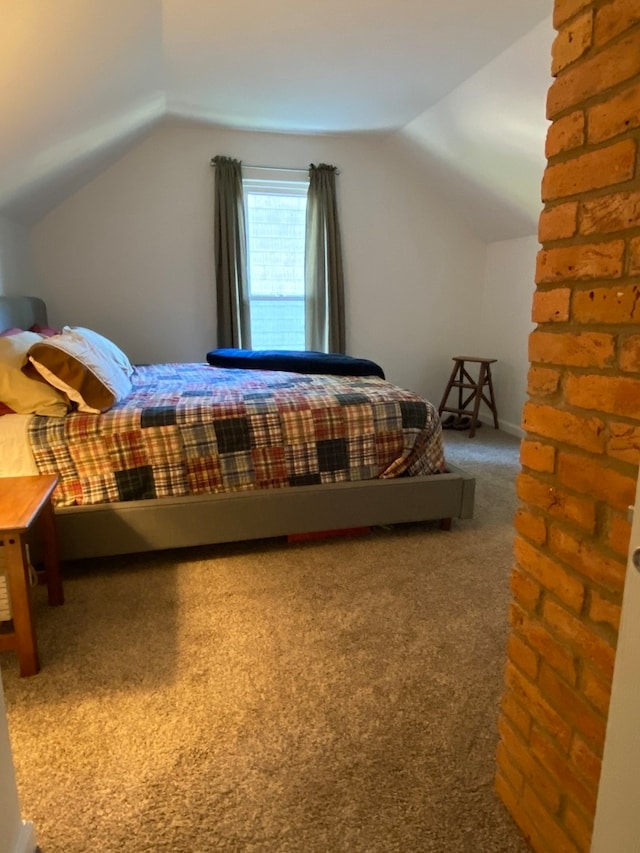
[{"x": 275, "y": 213}]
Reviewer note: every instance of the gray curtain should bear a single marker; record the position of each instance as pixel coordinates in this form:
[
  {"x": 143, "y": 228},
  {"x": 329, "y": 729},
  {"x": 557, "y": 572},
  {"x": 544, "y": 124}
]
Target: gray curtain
[
  {"x": 230, "y": 245},
  {"x": 324, "y": 282}
]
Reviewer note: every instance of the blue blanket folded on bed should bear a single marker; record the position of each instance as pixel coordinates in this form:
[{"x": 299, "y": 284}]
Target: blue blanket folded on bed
[{"x": 296, "y": 361}]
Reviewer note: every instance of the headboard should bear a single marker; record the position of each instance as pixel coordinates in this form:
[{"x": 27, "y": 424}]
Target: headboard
[{"x": 21, "y": 312}]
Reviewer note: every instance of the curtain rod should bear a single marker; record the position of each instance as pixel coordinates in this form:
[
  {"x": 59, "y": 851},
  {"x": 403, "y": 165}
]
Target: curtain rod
[
  {"x": 274, "y": 168},
  {"x": 270, "y": 168}
]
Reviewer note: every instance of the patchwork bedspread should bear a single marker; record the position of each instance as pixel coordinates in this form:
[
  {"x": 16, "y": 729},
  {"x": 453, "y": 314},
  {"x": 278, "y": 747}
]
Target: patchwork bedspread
[{"x": 190, "y": 428}]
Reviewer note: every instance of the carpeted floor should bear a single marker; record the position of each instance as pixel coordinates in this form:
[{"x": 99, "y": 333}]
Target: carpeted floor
[{"x": 330, "y": 695}]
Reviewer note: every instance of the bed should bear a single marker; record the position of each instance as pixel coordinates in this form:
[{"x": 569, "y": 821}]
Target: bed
[{"x": 139, "y": 517}]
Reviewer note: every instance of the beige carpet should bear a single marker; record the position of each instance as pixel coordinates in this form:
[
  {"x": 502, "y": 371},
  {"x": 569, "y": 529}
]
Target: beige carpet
[{"x": 334, "y": 695}]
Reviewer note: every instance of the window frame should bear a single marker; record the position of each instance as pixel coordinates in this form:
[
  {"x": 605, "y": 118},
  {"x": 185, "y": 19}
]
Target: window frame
[{"x": 294, "y": 187}]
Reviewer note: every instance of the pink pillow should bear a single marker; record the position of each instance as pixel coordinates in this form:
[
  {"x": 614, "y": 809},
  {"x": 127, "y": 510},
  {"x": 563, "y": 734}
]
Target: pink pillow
[
  {"x": 9, "y": 332},
  {"x": 47, "y": 331}
]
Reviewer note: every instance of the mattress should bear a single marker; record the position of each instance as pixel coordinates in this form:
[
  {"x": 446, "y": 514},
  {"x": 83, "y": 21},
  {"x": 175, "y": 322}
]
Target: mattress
[
  {"x": 190, "y": 429},
  {"x": 16, "y": 456}
]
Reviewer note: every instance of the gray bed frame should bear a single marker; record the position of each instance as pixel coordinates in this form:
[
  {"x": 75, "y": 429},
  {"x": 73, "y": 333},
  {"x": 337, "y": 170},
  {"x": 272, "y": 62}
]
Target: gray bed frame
[{"x": 150, "y": 525}]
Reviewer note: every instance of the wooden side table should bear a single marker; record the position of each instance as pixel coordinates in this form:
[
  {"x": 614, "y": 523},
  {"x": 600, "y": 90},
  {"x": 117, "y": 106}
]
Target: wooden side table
[{"x": 23, "y": 501}]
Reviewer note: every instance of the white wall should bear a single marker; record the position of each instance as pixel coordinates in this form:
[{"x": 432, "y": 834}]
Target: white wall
[
  {"x": 16, "y": 273},
  {"x": 505, "y": 324},
  {"x": 15, "y": 836},
  {"x": 131, "y": 254}
]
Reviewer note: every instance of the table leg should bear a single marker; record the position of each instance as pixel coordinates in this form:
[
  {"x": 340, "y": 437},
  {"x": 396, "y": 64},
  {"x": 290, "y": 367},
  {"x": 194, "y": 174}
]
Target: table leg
[
  {"x": 50, "y": 555},
  {"x": 19, "y": 590}
]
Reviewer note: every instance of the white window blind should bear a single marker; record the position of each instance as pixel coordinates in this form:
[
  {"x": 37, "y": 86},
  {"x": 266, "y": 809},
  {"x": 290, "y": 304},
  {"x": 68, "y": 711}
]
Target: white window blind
[{"x": 275, "y": 220}]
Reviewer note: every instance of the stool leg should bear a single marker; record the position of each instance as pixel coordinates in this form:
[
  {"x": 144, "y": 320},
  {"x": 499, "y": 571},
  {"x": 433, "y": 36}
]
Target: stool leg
[
  {"x": 477, "y": 400},
  {"x": 447, "y": 390},
  {"x": 492, "y": 404}
]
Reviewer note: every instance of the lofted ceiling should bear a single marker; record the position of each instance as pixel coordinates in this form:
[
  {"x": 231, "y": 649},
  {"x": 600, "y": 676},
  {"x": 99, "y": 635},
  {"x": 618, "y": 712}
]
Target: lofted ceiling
[{"x": 81, "y": 78}]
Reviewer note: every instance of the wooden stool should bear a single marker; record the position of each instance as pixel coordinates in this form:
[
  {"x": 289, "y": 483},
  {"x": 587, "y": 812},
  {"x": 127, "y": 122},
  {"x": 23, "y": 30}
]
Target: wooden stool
[
  {"x": 470, "y": 389},
  {"x": 23, "y": 501}
]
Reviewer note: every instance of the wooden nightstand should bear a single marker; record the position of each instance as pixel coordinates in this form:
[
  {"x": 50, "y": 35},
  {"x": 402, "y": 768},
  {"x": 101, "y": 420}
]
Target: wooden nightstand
[{"x": 23, "y": 501}]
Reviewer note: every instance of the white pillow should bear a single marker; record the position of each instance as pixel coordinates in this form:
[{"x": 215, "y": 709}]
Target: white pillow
[
  {"x": 108, "y": 347},
  {"x": 88, "y": 368}
]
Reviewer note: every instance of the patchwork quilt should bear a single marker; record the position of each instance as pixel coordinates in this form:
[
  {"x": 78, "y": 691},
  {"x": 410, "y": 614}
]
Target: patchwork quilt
[{"x": 191, "y": 428}]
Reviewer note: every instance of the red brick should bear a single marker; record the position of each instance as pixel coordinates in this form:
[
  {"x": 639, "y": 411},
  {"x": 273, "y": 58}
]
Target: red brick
[
  {"x": 531, "y": 526},
  {"x": 580, "y": 262},
  {"x": 518, "y": 716},
  {"x": 614, "y": 395},
  {"x": 606, "y": 213},
  {"x": 615, "y": 18},
  {"x": 529, "y": 695},
  {"x": 615, "y": 116},
  {"x": 624, "y": 442},
  {"x": 588, "y": 559},
  {"x": 584, "y": 642},
  {"x": 587, "y": 433},
  {"x": 542, "y": 381},
  {"x": 508, "y": 768},
  {"x": 553, "y": 837},
  {"x": 618, "y": 533},
  {"x": 573, "y": 708},
  {"x": 556, "y": 655},
  {"x": 533, "y": 772},
  {"x": 604, "y": 167},
  {"x": 596, "y": 689},
  {"x": 580, "y": 511},
  {"x": 572, "y": 42},
  {"x": 558, "y": 222},
  {"x": 549, "y": 574},
  {"x": 563, "y": 771},
  {"x": 525, "y": 590},
  {"x": 590, "y": 477},
  {"x": 541, "y": 457},
  {"x": 630, "y": 352},
  {"x": 580, "y": 828},
  {"x": 616, "y": 304},
  {"x": 585, "y": 759},
  {"x": 564, "y": 134},
  {"x": 522, "y": 656},
  {"x": 513, "y": 803},
  {"x": 563, "y": 10},
  {"x": 604, "y": 612},
  {"x": 517, "y": 616},
  {"x": 595, "y": 75},
  {"x": 634, "y": 256},
  {"x": 551, "y": 306},
  {"x": 585, "y": 349}
]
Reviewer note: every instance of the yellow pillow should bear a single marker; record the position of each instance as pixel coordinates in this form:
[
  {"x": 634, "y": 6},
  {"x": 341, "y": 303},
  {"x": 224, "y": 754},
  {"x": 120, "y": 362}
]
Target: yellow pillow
[{"x": 24, "y": 395}]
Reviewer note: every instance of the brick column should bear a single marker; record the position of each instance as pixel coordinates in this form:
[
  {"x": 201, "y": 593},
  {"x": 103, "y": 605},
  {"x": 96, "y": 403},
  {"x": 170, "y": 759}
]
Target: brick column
[{"x": 582, "y": 422}]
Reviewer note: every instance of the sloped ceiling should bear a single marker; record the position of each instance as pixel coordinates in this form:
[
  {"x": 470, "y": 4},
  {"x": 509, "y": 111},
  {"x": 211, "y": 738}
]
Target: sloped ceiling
[
  {"x": 80, "y": 79},
  {"x": 483, "y": 145}
]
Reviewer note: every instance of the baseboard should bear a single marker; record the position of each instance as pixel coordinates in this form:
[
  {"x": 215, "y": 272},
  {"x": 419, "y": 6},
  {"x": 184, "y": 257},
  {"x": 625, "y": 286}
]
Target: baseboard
[
  {"x": 512, "y": 429},
  {"x": 26, "y": 840}
]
